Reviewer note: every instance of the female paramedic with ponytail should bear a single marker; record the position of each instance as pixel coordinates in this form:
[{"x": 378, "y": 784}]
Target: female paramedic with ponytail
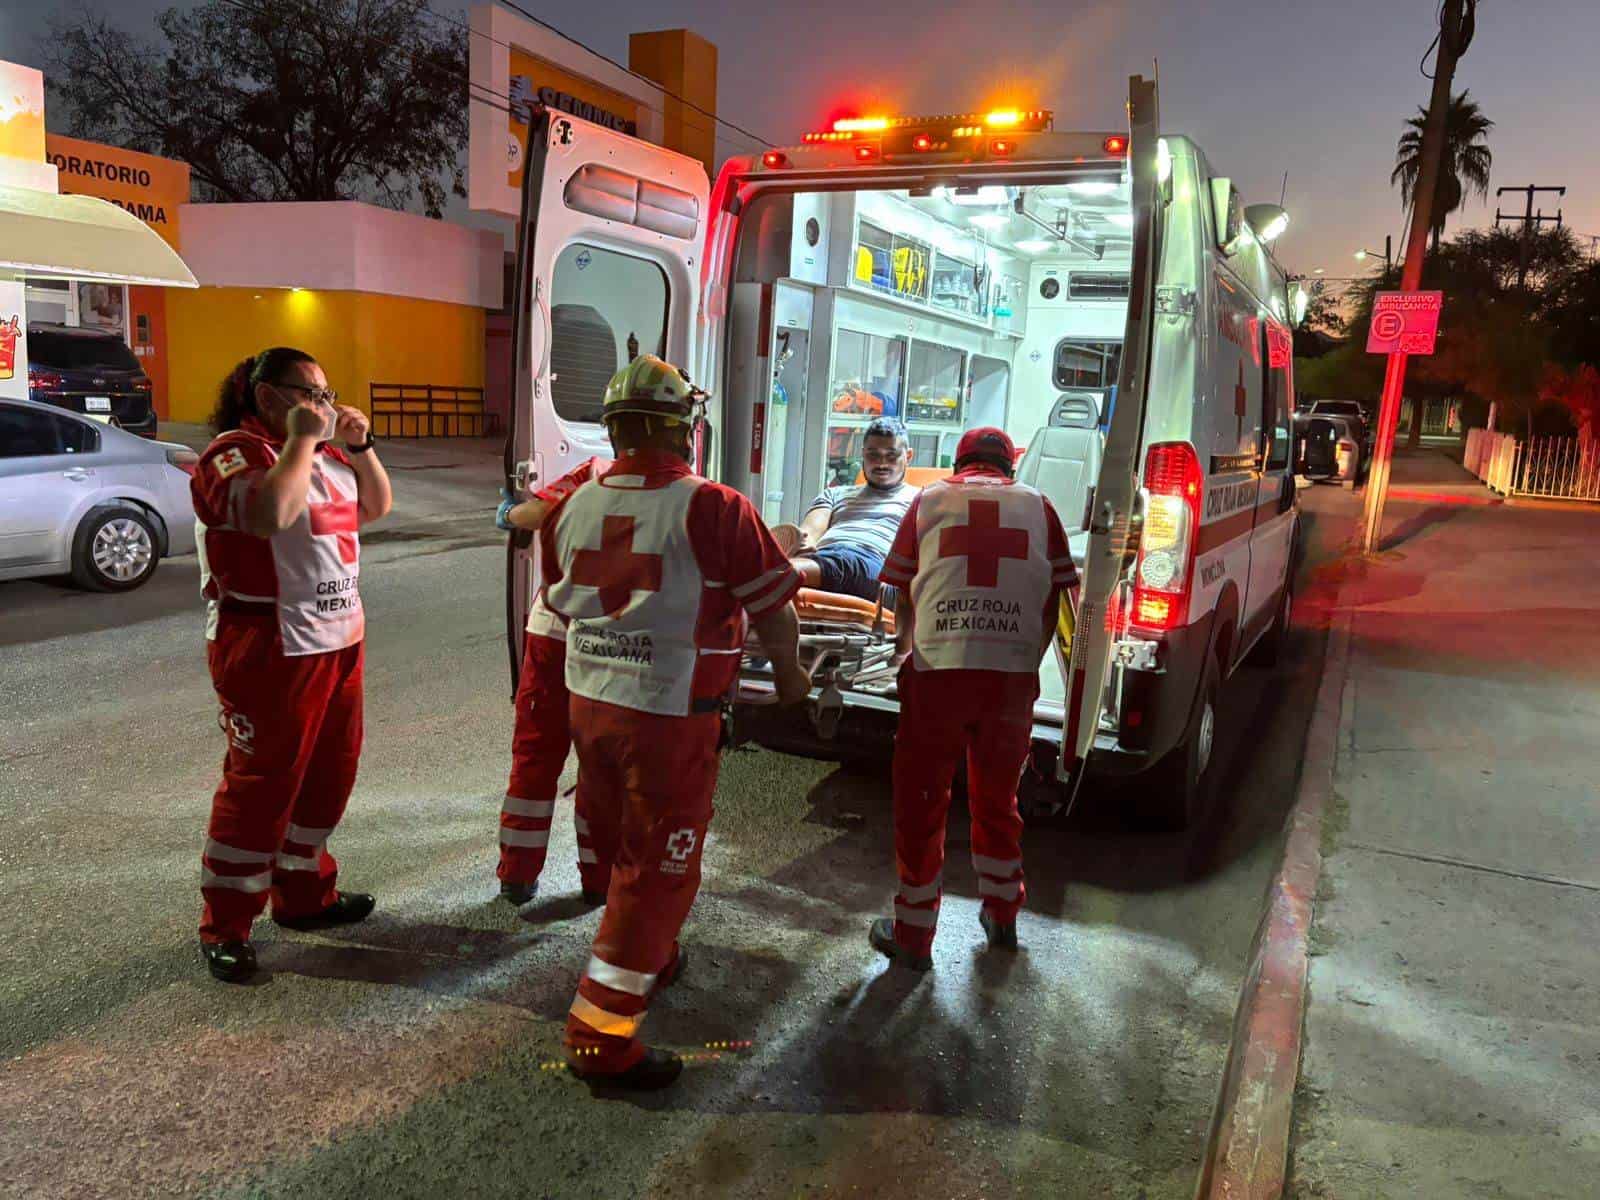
[{"x": 278, "y": 508}]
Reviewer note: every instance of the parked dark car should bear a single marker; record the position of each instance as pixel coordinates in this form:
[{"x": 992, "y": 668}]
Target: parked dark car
[
  {"x": 1355, "y": 416},
  {"x": 1328, "y": 448},
  {"x": 92, "y": 372}
]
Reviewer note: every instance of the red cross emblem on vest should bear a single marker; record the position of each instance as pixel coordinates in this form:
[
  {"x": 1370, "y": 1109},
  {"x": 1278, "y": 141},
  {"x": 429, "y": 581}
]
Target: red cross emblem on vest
[
  {"x": 615, "y": 569},
  {"x": 340, "y": 518},
  {"x": 983, "y": 542}
]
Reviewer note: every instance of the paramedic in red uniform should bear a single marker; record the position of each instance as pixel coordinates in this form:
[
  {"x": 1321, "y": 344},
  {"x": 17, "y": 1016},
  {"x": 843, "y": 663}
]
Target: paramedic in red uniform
[
  {"x": 981, "y": 562},
  {"x": 542, "y": 739},
  {"x": 278, "y": 509},
  {"x": 655, "y": 571}
]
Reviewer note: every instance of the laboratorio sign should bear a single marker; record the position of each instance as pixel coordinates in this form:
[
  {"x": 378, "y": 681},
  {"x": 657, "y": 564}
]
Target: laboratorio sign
[{"x": 95, "y": 168}]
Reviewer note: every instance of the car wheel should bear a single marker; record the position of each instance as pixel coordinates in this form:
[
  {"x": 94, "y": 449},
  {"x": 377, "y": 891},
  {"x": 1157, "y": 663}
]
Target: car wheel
[
  {"x": 1269, "y": 649},
  {"x": 114, "y": 550},
  {"x": 1175, "y": 794}
]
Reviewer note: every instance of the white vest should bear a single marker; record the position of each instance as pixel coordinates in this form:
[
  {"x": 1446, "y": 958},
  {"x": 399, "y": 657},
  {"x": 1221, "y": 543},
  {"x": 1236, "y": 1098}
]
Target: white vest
[
  {"x": 544, "y": 623},
  {"x": 317, "y": 561},
  {"x": 983, "y": 576},
  {"x": 630, "y": 589}
]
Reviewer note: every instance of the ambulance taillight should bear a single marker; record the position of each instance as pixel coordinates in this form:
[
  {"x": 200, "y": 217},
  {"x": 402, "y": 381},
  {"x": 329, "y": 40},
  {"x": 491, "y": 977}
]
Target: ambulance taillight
[{"x": 1173, "y": 485}]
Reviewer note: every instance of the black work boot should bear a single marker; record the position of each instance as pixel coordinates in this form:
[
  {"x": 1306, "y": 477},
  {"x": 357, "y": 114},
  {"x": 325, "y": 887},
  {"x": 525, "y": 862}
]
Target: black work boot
[
  {"x": 231, "y": 962},
  {"x": 881, "y": 935},
  {"x": 1002, "y": 935},
  {"x": 519, "y": 893},
  {"x": 656, "y": 1070},
  {"x": 349, "y": 908}
]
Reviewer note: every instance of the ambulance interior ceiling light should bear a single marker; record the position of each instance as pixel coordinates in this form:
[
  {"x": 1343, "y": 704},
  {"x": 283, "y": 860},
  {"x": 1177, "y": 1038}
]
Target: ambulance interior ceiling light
[
  {"x": 990, "y": 220},
  {"x": 1093, "y": 187},
  {"x": 1035, "y": 245}
]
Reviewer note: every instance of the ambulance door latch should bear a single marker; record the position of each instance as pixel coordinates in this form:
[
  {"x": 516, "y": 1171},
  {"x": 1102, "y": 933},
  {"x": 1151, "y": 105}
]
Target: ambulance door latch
[{"x": 1175, "y": 301}]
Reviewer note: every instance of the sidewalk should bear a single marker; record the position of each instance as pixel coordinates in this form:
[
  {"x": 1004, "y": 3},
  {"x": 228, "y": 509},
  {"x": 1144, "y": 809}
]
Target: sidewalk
[{"x": 1452, "y": 1036}]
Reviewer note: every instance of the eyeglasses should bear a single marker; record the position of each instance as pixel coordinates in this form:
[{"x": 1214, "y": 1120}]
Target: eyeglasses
[{"x": 319, "y": 395}]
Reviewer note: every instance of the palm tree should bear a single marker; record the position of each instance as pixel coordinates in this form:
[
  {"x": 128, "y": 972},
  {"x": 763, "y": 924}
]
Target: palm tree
[{"x": 1463, "y": 169}]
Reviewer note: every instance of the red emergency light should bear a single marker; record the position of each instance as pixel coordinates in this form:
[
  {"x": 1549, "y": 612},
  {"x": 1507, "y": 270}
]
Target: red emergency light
[
  {"x": 1115, "y": 144},
  {"x": 866, "y": 153},
  {"x": 775, "y": 159},
  {"x": 922, "y": 142},
  {"x": 1002, "y": 147}
]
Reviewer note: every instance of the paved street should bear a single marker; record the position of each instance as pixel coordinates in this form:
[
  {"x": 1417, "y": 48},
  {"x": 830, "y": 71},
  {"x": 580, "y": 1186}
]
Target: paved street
[{"x": 418, "y": 1054}]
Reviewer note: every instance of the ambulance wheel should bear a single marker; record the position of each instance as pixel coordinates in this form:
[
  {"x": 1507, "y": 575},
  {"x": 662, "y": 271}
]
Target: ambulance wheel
[
  {"x": 1269, "y": 649},
  {"x": 115, "y": 549},
  {"x": 1176, "y": 793}
]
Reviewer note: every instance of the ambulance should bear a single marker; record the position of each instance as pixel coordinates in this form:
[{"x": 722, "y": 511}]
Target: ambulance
[{"x": 1105, "y": 296}]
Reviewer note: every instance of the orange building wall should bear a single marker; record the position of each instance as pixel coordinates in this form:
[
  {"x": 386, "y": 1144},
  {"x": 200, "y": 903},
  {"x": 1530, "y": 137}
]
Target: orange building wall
[{"x": 683, "y": 63}]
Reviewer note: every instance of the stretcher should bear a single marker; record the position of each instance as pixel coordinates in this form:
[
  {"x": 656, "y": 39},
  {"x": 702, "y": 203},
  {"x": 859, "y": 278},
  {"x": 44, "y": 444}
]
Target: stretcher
[{"x": 846, "y": 644}]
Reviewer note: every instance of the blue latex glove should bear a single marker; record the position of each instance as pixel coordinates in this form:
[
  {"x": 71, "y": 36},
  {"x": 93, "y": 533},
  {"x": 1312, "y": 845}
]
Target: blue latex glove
[{"x": 502, "y": 515}]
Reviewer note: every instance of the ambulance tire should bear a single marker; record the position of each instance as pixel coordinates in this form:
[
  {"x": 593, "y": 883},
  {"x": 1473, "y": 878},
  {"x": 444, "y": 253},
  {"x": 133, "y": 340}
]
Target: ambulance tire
[{"x": 1176, "y": 793}]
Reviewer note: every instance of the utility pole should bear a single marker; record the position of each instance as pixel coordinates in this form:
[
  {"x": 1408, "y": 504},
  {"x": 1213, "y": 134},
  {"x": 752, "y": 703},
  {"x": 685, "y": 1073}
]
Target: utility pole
[
  {"x": 1529, "y": 223},
  {"x": 1457, "y": 21}
]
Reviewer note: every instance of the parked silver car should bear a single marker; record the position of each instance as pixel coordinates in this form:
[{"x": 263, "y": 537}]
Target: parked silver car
[{"x": 87, "y": 499}]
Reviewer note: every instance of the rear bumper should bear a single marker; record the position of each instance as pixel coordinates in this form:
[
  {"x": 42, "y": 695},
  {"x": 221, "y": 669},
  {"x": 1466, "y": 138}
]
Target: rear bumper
[{"x": 1156, "y": 705}]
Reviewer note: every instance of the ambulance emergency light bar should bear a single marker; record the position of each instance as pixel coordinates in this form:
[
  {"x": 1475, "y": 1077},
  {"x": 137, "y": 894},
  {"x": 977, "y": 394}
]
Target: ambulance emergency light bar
[{"x": 990, "y": 134}]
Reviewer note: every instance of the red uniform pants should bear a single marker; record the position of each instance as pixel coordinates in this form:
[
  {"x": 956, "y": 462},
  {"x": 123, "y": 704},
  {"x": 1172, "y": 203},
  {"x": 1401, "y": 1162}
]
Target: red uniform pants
[
  {"x": 648, "y": 781},
  {"x": 539, "y": 748},
  {"x": 294, "y": 741},
  {"x": 987, "y": 716}
]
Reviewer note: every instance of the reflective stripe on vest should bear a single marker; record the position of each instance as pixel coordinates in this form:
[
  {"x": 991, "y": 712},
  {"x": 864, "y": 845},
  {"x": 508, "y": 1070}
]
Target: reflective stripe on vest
[{"x": 983, "y": 575}]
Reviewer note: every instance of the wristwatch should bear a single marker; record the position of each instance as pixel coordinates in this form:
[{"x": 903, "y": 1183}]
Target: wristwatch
[{"x": 361, "y": 449}]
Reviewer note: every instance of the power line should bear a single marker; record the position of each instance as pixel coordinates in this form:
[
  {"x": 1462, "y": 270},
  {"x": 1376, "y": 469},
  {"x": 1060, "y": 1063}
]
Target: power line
[
  {"x": 502, "y": 101},
  {"x": 540, "y": 21}
]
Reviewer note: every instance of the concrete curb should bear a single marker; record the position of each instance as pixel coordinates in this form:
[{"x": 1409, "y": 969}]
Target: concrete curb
[{"x": 1247, "y": 1147}]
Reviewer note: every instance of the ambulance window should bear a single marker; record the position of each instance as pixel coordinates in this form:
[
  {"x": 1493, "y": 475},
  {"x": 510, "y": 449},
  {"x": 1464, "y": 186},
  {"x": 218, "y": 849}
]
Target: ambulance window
[
  {"x": 934, "y": 383},
  {"x": 604, "y": 308},
  {"x": 1276, "y": 404},
  {"x": 867, "y": 374},
  {"x": 1082, "y": 364}
]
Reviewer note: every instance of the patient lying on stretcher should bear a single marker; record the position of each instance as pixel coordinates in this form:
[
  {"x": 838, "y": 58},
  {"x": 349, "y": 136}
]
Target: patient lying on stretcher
[{"x": 841, "y": 542}]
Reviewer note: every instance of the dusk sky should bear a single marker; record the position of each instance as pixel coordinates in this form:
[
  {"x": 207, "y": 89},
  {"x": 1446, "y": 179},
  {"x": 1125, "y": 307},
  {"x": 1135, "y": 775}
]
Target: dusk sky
[{"x": 1318, "y": 90}]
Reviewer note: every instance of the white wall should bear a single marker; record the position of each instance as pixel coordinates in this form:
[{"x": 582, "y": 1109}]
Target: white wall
[{"x": 342, "y": 246}]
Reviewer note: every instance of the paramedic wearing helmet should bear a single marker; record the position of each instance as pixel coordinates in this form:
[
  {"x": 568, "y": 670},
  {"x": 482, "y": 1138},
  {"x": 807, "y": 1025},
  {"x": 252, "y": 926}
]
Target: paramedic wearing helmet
[
  {"x": 654, "y": 571},
  {"x": 841, "y": 542},
  {"x": 982, "y": 563},
  {"x": 278, "y": 509}
]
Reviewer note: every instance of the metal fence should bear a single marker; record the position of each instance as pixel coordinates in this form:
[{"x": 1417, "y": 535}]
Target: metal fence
[
  {"x": 428, "y": 410},
  {"x": 1561, "y": 468},
  {"x": 1557, "y": 468}
]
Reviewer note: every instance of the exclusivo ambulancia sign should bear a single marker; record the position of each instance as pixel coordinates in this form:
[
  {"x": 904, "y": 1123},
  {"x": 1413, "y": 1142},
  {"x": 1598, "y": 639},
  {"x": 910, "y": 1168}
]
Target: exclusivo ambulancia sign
[{"x": 1404, "y": 322}]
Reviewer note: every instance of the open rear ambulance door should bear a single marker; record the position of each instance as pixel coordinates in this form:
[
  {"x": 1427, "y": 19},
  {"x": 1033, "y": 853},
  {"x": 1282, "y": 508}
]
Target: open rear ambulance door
[
  {"x": 608, "y": 266},
  {"x": 1113, "y": 536}
]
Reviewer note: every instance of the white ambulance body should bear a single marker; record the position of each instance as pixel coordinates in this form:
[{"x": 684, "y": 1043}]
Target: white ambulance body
[{"x": 1101, "y": 296}]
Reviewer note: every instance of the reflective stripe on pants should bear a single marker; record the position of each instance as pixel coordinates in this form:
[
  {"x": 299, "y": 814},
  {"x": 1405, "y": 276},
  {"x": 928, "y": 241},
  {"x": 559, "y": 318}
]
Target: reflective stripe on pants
[
  {"x": 294, "y": 741},
  {"x": 648, "y": 780},
  {"x": 540, "y": 745},
  {"x": 986, "y": 716}
]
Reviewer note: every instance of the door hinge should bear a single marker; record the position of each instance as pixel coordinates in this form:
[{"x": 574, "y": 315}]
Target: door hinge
[{"x": 1175, "y": 301}]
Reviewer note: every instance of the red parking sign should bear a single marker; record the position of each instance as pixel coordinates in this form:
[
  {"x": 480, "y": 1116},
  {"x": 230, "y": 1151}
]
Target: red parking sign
[{"x": 1404, "y": 322}]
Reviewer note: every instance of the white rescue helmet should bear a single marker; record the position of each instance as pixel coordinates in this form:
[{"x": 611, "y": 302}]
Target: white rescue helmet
[{"x": 652, "y": 387}]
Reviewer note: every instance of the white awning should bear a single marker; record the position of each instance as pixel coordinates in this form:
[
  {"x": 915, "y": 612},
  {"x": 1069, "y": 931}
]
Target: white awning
[{"x": 83, "y": 237}]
